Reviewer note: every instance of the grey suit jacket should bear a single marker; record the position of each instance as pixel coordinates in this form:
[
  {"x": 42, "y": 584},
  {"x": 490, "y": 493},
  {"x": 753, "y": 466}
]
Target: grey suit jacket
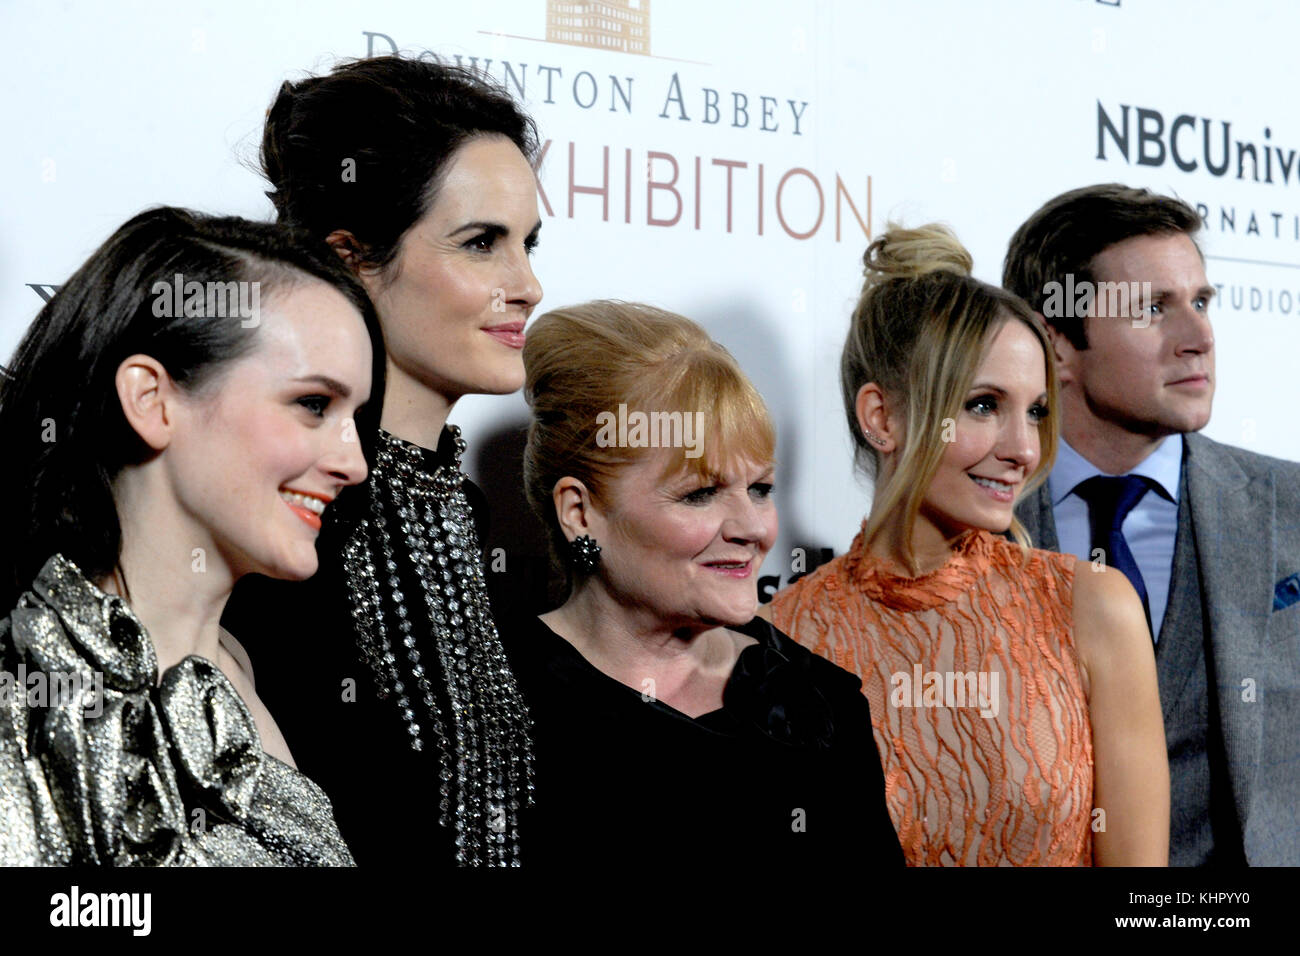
[{"x": 1244, "y": 513}]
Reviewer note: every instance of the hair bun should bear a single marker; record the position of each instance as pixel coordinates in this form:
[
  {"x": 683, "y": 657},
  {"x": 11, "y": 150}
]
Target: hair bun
[{"x": 911, "y": 253}]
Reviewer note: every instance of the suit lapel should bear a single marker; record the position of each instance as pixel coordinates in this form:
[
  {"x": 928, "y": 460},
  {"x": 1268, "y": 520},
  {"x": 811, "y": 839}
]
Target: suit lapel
[
  {"x": 1035, "y": 513},
  {"x": 1233, "y": 523},
  {"x": 1183, "y": 630}
]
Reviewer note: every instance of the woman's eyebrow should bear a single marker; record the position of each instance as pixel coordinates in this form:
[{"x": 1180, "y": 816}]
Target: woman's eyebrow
[
  {"x": 494, "y": 228},
  {"x": 332, "y": 384}
]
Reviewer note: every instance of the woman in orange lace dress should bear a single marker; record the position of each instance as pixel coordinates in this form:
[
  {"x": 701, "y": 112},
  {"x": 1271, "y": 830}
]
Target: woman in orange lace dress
[{"x": 1012, "y": 691}]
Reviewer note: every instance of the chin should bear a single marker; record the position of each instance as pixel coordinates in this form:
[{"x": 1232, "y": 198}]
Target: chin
[
  {"x": 1196, "y": 422},
  {"x": 1000, "y": 524},
  {"x": 511, "y": 380},
  {"x": 976, "y": 520},
  {"x": 1163, "y": 421},
  {"x": 997, "y": 524},
  {"x": 733, "y": 616},
  {"x": 295, "y": 568},
  {"x": 504, "y": 382}
]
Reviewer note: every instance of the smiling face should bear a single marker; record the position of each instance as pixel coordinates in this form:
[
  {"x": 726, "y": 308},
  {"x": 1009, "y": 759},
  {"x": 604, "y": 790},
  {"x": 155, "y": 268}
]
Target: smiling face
[
  {"x": 685, "y": 550},
  {"x": 996, "y": 446},
  {"x": 257, "y": 453},
  {"x": 454, "y": 301},
  {"x": 1155, "y": 380}
]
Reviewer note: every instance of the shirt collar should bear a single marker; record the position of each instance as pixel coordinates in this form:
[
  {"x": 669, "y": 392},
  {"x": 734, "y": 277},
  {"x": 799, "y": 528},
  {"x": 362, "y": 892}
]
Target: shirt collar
[{"x": 1162, "y": 466}]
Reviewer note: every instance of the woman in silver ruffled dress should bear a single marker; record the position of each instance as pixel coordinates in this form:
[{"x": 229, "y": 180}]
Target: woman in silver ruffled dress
[{"x": 178, "y": 416}]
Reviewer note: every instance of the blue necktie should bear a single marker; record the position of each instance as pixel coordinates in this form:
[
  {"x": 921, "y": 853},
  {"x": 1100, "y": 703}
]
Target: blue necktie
[{"x": 1109, "y": 502}]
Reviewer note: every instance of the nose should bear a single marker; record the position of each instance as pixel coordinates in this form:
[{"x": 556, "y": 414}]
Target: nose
[
  {"x": 1018, "y": 443},
  {"x": 750, "y": 522},
  {"x": 1195, "y": 334},
  {"x": 526, "y": 290},
  {"x": 346, "y": 462}
]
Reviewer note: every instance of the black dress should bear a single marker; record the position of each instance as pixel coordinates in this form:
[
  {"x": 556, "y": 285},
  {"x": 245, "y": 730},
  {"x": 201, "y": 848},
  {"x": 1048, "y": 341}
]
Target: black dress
[
  {"x": 412, "y": 773},
  {"x": 786, "y": 772}
]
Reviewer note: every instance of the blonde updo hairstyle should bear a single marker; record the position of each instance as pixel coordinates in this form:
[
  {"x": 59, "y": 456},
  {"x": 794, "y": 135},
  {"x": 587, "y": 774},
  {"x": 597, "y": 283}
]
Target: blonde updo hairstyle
[
  {"x": 587, "y": 359},
  {"x": 920, "y": 330}
]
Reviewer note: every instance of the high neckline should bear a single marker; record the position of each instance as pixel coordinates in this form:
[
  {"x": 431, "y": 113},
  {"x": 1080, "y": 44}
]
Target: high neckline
[
  {"x": 447, "y": 455},
  {"x": 884, "y": 581}
]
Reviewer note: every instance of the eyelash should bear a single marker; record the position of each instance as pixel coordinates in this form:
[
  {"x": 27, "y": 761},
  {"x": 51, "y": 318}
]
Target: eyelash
[
  {"x": 309, "y": 402},
  {"x": 484, "y": 243},
  {"x": 1203, "y": 300},
  {"x": 1036, "y": 411},
  {"x": 700, "y": 495}
]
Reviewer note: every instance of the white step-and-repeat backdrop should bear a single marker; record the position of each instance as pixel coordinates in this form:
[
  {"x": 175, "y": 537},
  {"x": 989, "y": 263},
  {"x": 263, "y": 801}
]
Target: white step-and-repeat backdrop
[{"x": 729, "y": 161}]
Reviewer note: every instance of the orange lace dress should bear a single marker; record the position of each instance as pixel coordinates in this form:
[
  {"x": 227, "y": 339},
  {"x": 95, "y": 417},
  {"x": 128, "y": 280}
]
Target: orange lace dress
[{"x": 976, "y": 693}]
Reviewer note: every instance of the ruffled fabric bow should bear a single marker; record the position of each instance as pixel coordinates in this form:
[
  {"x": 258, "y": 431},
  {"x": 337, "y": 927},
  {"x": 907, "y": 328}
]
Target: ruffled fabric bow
[{"x": 118, "y": 760}]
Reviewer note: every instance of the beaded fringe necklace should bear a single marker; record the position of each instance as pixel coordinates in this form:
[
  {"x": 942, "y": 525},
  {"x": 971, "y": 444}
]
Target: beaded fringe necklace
[{"x": 485, "y": 766}]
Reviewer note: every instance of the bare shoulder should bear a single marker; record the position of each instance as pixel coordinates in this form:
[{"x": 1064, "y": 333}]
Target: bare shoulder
[{"x": 1110, "y": 625}]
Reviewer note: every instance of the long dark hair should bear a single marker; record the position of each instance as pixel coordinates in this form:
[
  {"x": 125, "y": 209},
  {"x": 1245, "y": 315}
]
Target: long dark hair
[
  {"x": 363, "y": 148},
  {"x": 61, "y": 422}
]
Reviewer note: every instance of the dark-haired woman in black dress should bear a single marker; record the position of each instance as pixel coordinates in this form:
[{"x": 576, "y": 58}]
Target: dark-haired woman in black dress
[{"x": 404, "y": 706}]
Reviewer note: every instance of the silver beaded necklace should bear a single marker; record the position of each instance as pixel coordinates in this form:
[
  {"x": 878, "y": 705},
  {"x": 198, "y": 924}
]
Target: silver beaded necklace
[{"x": 485, "y": 750}]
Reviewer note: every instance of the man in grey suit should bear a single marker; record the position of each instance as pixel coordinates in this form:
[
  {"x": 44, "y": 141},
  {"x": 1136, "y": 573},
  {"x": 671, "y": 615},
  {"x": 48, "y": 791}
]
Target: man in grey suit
[{"x": 1209, "y": 534}]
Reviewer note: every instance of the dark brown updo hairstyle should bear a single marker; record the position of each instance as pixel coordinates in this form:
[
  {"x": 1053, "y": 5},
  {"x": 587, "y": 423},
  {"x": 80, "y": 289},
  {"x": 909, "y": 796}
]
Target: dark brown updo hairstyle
[{"x": 363, "y": 148}]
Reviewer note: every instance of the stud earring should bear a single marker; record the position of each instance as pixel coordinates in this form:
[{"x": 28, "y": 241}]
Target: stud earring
[
  {"x": 584, "y": 554},
  {"x": 872, "y": 438}
]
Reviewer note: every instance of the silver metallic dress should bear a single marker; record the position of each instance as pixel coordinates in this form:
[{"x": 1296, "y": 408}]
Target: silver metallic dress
[{"x": 102, "y": 765}]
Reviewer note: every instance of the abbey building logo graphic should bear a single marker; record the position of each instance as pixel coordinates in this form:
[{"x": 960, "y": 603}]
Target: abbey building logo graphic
[{"x": 616, "y": 25}]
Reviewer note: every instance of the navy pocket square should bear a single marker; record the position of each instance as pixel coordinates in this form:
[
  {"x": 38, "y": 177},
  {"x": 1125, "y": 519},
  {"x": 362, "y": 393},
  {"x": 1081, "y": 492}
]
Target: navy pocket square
[{"x": 1287, "y": 592}]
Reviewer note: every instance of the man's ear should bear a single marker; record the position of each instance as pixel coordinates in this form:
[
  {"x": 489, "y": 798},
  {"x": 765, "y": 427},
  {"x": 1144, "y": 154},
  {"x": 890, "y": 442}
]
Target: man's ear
[
  {"x": 148, "y": 396},
  {"x": 872, "y": 409},
  {"x": 1066, "y": 355},
  {"x": 575, "y": 510}
]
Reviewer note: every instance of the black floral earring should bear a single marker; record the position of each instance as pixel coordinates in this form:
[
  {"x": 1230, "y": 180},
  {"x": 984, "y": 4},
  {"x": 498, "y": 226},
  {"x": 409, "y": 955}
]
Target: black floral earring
[{"x": 584, "y": 554}]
